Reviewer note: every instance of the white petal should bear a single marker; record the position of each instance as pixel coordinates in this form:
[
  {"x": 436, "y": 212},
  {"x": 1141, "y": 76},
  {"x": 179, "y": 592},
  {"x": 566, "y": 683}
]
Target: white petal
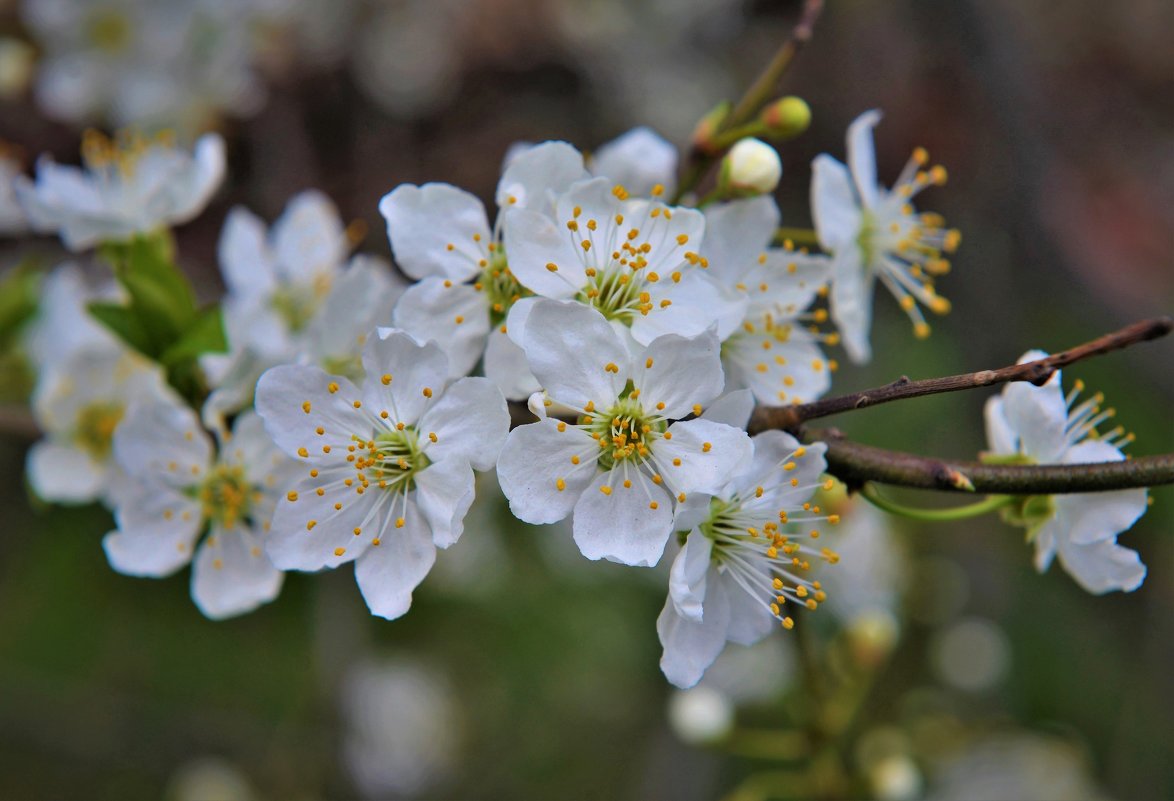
[
  {"x": 453, "y": 316},
  {"x": 1001, "y": 438},
  {"x": 698, "y": 301},
  {"x": 533, "y": 241},
  {"x": 285, "y": 393},
  {"x": 623, "y": 526},
  {"x": 569, "y": 347},
  {"x": 156, "y": 530},
  {"x": 1092, "y": 517},
  {"x": 691, "y": 647},
  {"x": 470, "y": 422},
  {"x": 532, "y": 461},
  {"x": 415, "y": 374},
  {"x": 232, "y": 575},
  {"x": 750, "y": 619},
  {"x": 737, "y": 233},
  {"x": 786, "y": 282},
  {"x": 679, "y": 373},
  {"x": 773, "y": 450},
  {"x": 195, "y": 186},
  {"x": 309, "y": 238},
  {"x": 387, "y": 573},
  {"x": 1103, "y": 566},
  {"x": 165, "y": 441},
  {"x": 638, "y": 160},
  {"x": 309, "y": 533},
  {"x": 834, "y": 206},
  {"x": 851, "y": 302},
  {"x": 791, "y": 370},
  {"x": 444, "y": 493},
  {"x": 862, "y": 156},
  {"x": 701, "y": 469},
  {"x": 360, "y": 300},
  {"x": 1038, "y": 415},
  {"x": 63, "y": 474},
  {"x": 733, "y": 409},
  {"x": 422, "y": 221},
  {"x": 246, "y": 260},
  {"x": 506, "y": 366},
  {"x": 537, "y": 175},
  {"x": 687, "y": 576}
]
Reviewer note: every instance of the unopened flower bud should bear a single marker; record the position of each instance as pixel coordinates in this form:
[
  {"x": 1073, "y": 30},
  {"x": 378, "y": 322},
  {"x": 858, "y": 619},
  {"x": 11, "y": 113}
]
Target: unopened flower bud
[
  {"x": 700, "y": 715},
  {"x": 707, "y": 127},
  {"x": 786, "y": 117},
  {"x": 751, "y": 167}
]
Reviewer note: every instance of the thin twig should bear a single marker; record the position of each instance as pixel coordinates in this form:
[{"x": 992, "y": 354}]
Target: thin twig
[
  {"x": 1037, "y": 372},
  {"x": 854, "y": 464}
]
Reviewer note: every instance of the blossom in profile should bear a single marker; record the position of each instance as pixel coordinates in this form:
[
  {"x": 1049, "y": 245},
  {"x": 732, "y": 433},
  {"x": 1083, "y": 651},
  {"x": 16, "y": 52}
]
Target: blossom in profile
[
  {"x": 775, "y": 350},
  {"x": 622, "y": 464},
  {"x": 79, "y": 404},
  {"x": 183, "y": 486},
  {"x": 127, "y": 187},
  {"x": 440, "y": 236},
  {"x": 293, "y": 296},
  {"x": 875, "y": 234},
  {"x": 387, "y": 466},
  {"x": 1027, "y": 424},
  {"x": 747, "y": 554}
]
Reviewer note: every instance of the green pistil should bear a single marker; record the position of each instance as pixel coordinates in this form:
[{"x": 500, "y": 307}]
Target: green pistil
[
  {"x": 501, "y": 288},
  {"x": 864, "y": 239},
  {"x": 625, "y": 432},
  {"x": 615, "y": 293},
  {"x": 397, "y": 459},
  {"x": 297, "y": 305},
  {"x": 95, "y": 428},
  {"x": 225, "y": 496}
]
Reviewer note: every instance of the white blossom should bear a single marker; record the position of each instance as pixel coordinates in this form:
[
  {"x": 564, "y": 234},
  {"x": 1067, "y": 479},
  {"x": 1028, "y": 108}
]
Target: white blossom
[
  {"x": 622, "y": 466},
  {"x": 440, "y": 235},
  {"x": 129, "y": 187},
  {"x": 388, "y": 465},
  {"x": 747, "y": 554},
  {"x": 1041, "y": 425},
  {"x": 183, "y": 487},
  {"x": 62, "y": 325},
  {"x": 875, "y": 234},
  {"x": 640, "y": 160}
]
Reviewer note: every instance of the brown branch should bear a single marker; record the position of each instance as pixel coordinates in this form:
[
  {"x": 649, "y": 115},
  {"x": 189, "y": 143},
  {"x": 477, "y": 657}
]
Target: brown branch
[
  {"x": 17, "y": 421},
  {"x": 855, "y": 464},
  {"x": 1037, "y": 372}
]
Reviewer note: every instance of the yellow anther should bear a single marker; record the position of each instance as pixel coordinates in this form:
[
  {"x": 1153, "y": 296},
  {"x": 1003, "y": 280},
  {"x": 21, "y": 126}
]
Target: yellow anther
[
  {"x": 605, "y": 489},
  {"x": 306, "y": 407},
  {"x": 339, "y": 551},
  {"x": 427, "y": 392},
  {"x": 788, "y": 623},
  {"x": 332, "y": 387},
  {"x": 432, "y": 436},
  {"x": 552, "y": 267},
  {"x": 302, "y": 452},
  {"x": 706, "y": 447},
  {"x": 310, "y": 524}
]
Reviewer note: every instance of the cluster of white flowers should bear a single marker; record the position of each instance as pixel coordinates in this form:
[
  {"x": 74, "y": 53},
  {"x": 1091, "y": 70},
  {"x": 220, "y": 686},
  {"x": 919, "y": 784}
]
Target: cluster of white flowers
[{"x": 640, "y": 333}]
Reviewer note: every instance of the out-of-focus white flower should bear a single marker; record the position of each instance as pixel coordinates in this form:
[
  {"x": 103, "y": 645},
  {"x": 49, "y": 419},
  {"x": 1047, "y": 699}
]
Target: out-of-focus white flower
[
  {"x": 180, "y": 486},
  {"x": 700, "y": 715},
  {"x": 209, "y": 779},
  {"x": 640, "y": 160},
  {"x": 752, "y": 166},
  {"x": 402, "y": 728},
  {"x": 390, "y": 463},
  {"x": 440, "y": 235},
  {"x": 172, "y": 64},
  {"x": 291, "y": 299},
  {"x": 622, "y": 467},
  {"x": 774, "y": 352},
  {"x": 79, "y": 405},
  {"x": 1030, "y": 424},
  {"x": 62, "y": 326},
  {"x": 895, "y": 778},
  {"x": 129, "y": 187},
  {"x": 739, "y": 568},
  {"x": 972, "y": 654},
  {"x": 1020, "y": 766},
  {"x": 874, "y": 234},
  {"x": 637, "y": 262}
]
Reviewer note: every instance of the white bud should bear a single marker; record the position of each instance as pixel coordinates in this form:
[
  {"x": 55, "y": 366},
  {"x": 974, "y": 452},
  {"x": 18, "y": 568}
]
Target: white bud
[
  {"x": 700, "y": 715},
  {"x": 752, "y": 166}
]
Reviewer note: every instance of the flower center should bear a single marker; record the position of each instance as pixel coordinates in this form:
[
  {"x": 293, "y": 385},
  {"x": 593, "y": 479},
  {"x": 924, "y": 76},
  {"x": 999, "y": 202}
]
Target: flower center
[
  {"x": 391, "y": 460},
  {"x": 866, "y": 238},
  {"x": 109, "y": 31},
  {"x": 225, "y": 496},
  {"x": 625, "y": 432},
  {"x": 617, "y": 292},
  {"x": 296, "y": 304},
  {"x": 500, "y": 286},
  {"x": 95, "y": 428}
]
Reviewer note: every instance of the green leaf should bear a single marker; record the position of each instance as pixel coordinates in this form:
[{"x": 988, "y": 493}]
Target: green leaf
[
  {"x": 123, "y": 321},
  {"x": 18, "y": 301},
  {"x": 204, "y": 335}
]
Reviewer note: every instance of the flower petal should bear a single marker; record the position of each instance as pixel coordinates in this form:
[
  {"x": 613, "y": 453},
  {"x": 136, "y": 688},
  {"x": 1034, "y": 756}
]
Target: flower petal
[
  {"x": 781, "y": 365},
  {"x": 1038, "y": 415},
  {"x": 1092, "y": 517},
  {"x": 679, "y": 373},
  {"x": 422, "y": 221},
  {"x": 1001, "y": 438},
  {"x": 1103, "y": 566},
  {"x": 295, "y": 401},
  {"x": 737, "y": 233},
  {"x": 414, "y": 374},
  {"x": 570, "y": 347},
  {"x": 444, "y": 493},
  {"x": 533, "y": 178},
  {"x": 361, "y": 299},
  {"x": 851, "y": 302},
  {"x": 64, "y": 474},
  {"x": 687, "y": 577},
  {"x": 309, "y": 533},
  {"x": 388, "y": 573},
  {"x": 629, "y": 525},
  {"x": 157, "y": 527},
  {"x": 535, "y": 242},
  {"x": 691, "y": 647},
  {"x": 246, "y": 261},
  {"x": 834, "y": 206},
  {"x": 733, "y": 409},
  {"x": 232, "y": 575},
  {"x": 454, "y": 316},
  {"x": 701, "y": 468},
  {"x": 638, "y": 160},
  {"x": 470, "y": 422},
  {"x": 534, "y": 458},
  {"x": 309, "y": 238},
  {"x": 696, "y": 302},
  {"x": 163, "y": 440},
  {"x": 862, "y": 156},
  {"x": 506, "y": 366},
  {"x": 750, "y": 620}
]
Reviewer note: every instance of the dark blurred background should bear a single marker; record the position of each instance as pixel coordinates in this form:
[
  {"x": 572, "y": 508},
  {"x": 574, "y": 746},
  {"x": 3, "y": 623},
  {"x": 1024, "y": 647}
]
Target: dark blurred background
[{"x": 524, "y": 671}]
